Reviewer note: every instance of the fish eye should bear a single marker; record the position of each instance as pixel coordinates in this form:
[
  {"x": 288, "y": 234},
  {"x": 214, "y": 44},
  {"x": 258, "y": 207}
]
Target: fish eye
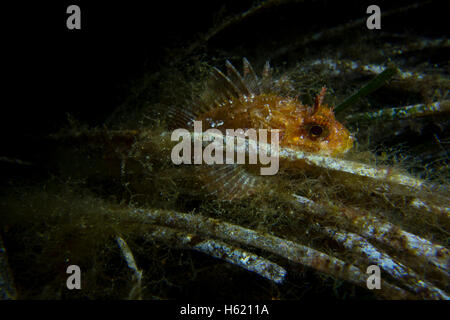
[{"x": 315, "y": 130}]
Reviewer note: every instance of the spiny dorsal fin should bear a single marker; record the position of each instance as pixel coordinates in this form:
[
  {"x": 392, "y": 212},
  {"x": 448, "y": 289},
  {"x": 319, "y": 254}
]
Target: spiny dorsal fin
[
  {"x": 267, "y": 71},
  {"x": 248, "y": 69},
  {"x": 235, "y": 76},
  {"x": 220, "y": 90},
  {"x": 250, "y": 77},
  {"x": 224, "y": 84},
  {"x": 266, "y": 82}
]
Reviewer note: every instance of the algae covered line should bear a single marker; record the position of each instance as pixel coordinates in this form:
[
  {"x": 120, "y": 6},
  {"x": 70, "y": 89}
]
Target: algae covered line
[
  {"x": 285, "y": 248},
  {"x": 219, "y": 250}
]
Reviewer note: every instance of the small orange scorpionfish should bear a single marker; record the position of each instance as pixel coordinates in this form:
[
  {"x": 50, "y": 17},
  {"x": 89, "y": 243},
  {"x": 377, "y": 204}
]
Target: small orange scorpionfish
[
  {"x": 248, "y": 102},
  {"x": 236, "y": 101}
]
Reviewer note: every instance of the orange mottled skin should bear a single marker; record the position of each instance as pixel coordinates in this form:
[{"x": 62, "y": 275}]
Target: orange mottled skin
[{"x": 312, "y": 129}]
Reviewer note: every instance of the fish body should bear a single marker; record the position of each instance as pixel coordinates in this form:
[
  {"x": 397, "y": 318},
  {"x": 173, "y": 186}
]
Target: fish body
[
  {"x": 311, "y": 129},
  {"x": 236, "y": 101}
]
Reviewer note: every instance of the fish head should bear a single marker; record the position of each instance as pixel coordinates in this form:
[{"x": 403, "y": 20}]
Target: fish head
[{"x": 318, "y": 131}]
